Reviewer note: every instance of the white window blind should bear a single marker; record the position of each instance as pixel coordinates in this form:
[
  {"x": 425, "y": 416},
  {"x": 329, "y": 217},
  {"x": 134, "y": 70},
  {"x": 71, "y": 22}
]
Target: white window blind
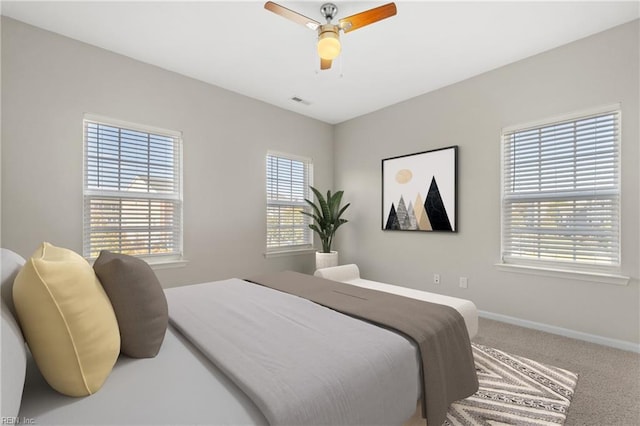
[
  {"x": 561, "y": 193},
  {"x": 288, "y": 180},
  {"x": 132, "y": 190}
]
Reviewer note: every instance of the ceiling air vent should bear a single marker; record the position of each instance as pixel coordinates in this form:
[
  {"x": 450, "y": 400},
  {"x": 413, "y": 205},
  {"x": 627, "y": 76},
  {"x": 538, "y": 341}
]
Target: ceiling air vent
[{"x": 300, "y": 100}]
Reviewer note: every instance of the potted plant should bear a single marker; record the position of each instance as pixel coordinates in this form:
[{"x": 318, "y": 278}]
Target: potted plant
[{"x": 327, "y": 219}]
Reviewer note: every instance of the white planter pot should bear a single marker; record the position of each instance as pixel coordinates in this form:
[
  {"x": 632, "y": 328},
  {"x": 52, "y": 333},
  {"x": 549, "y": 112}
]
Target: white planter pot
[{"x": 326, "y": 260}]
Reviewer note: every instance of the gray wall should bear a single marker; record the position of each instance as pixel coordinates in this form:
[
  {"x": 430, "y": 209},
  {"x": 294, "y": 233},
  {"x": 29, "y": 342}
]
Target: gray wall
[
  {"x": 49, "y": 82},
  {"x": 592, "y": 72}
]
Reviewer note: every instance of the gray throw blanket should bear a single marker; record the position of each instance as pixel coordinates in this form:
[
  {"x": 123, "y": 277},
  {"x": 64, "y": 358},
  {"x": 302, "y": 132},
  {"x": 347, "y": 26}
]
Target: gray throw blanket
[
  {"x": 301, "y": 363},
  {"x": 447, "y": 360}
]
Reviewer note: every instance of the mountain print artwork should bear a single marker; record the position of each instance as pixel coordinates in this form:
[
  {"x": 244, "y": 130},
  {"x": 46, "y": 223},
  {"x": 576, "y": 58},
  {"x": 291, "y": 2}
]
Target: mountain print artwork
[{"x": 427, "y": 182}]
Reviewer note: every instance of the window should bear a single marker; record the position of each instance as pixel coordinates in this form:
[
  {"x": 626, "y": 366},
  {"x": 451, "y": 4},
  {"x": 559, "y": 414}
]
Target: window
[
  {"x": 561, "y": 193},
  {"x": 132, "y": 190},
  {"x": 288, "y": 180}
]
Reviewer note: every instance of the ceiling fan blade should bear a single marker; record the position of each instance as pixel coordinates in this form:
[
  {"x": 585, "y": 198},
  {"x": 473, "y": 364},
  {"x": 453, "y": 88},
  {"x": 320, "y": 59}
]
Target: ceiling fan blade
[
  {"x": 367, "y": 17},
  {"x": 291, "y": 15},
  {"x": 325, "y": 64}
]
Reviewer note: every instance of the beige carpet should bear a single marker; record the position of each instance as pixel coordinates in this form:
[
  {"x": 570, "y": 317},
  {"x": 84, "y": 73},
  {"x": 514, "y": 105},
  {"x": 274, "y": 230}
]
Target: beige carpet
[{"x": 608, "y": 389}]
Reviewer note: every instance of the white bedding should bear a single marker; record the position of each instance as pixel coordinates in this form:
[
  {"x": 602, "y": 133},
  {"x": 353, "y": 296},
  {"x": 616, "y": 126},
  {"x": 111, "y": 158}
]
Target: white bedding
[{"x": 350, "y": 274}]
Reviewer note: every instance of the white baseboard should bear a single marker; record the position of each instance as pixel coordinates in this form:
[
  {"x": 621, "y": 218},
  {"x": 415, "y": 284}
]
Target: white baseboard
[{"x": 593, "y": 338}]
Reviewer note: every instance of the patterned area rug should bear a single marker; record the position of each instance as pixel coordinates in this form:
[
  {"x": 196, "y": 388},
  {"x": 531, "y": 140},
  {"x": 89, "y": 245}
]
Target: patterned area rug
[{"x": 514, "y": 391}]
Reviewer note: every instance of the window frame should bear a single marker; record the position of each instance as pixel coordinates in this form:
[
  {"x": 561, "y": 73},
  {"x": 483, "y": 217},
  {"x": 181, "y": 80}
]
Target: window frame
[
  {"x": 284, "y": 250},
  {"x": 157, "y": 261},
  {"x": 563, "y": 269}
]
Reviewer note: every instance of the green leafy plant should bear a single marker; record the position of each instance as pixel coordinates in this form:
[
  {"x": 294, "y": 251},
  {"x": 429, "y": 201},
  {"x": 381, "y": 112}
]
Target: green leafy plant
[{"x": 326, "y": 215}]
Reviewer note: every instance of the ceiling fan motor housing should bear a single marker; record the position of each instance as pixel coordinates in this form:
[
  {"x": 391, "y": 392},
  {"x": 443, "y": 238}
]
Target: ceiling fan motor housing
[{"x": 329, "y": 11}]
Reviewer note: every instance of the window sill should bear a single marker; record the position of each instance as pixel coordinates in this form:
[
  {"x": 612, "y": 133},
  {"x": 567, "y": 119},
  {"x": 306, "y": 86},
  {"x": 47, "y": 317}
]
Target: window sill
[
  {"x": 295, "y": 252},
  {"x": 598, "y": 277},
  {"x": 166, "y": 263}
]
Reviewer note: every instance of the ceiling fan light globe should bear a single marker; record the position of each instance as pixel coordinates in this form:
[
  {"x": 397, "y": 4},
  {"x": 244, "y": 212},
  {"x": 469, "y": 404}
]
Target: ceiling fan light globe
[
  {"x": 328, "y": 41},
  {"x": 329, "y": 48}
]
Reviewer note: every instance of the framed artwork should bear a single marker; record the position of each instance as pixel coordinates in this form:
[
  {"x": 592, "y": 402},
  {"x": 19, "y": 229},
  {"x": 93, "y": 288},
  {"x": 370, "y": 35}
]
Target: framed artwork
[{"x": 419, "y": 191}]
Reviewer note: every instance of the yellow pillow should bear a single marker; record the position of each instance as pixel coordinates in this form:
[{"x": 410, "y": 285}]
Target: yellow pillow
[{"x": 67, "y": 320}]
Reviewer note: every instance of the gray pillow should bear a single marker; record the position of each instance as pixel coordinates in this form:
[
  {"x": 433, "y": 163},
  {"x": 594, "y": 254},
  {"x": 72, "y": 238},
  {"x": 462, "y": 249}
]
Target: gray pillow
[
  {"x": 138, "y": 301},
  {"x": 14, "y": 355}
]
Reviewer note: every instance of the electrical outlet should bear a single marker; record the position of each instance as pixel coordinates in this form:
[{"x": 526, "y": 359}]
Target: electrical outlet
[
  {"x": 464, "y": 282},
  {"x": 436, "y": 278}
]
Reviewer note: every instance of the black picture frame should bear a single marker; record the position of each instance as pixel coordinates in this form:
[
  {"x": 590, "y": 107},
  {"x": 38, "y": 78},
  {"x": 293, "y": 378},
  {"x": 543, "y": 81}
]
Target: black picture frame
[{"x": 420, "y": 191}]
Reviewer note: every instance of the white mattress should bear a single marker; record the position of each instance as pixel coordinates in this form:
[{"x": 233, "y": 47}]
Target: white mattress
[
  {"x": 350, "y": 274},
  {"x": 177, "y": 387}
]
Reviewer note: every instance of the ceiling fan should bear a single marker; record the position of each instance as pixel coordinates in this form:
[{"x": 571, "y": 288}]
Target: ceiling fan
[{"x": 329, "y": 34}]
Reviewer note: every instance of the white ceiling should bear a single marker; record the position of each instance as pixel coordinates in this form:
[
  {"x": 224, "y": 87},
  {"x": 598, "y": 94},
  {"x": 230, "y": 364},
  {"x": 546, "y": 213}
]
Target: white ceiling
[{"x": 244, "y": 48}]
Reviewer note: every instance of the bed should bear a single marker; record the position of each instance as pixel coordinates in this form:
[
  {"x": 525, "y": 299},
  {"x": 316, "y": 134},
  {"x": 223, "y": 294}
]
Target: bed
[{"x": 152, "y": 391}]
